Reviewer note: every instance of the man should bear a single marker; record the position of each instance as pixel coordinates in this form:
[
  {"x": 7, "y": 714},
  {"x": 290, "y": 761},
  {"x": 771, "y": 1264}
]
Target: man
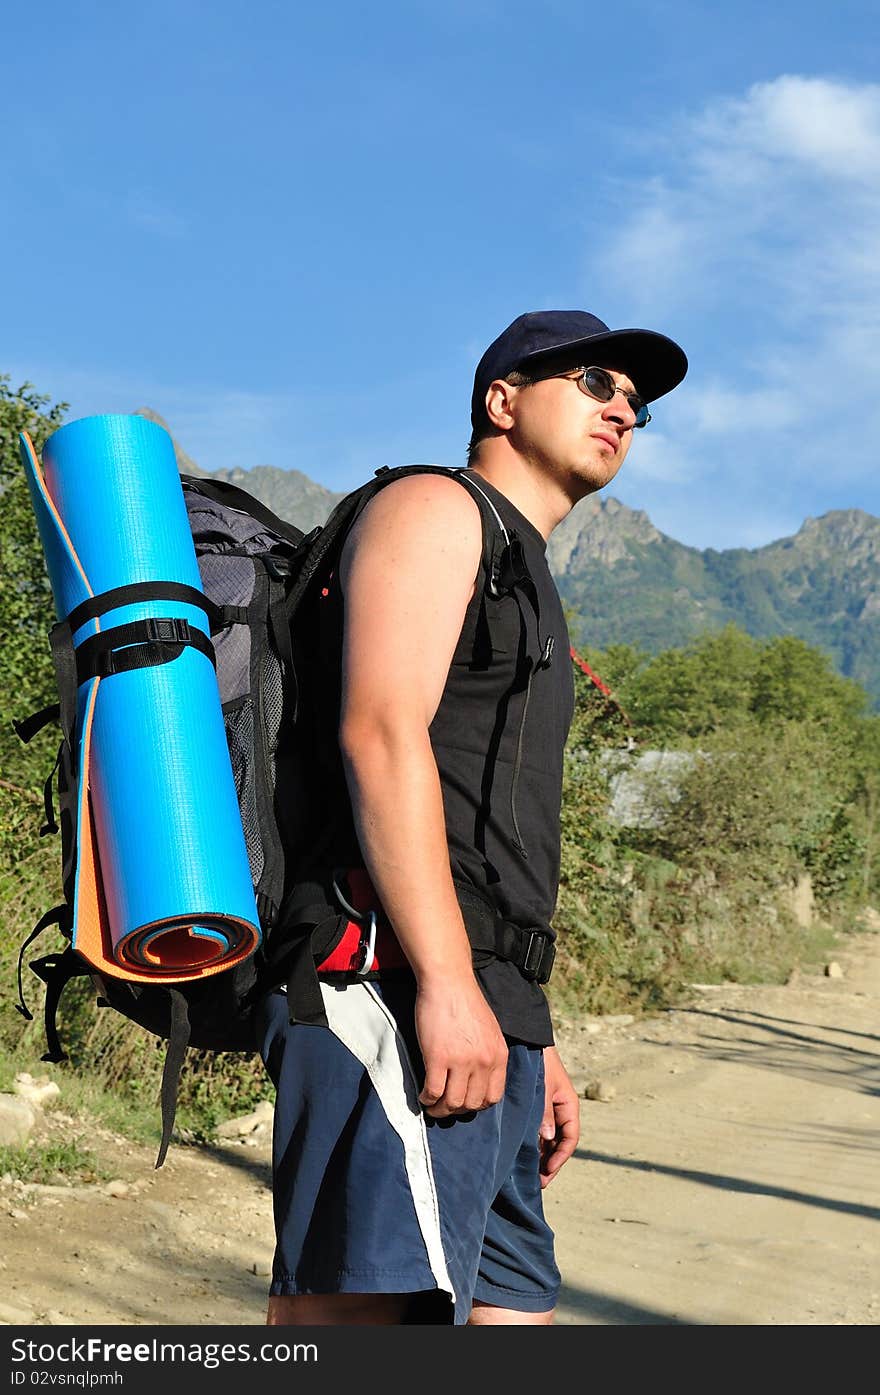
[{"x": 414, "y": 1137}]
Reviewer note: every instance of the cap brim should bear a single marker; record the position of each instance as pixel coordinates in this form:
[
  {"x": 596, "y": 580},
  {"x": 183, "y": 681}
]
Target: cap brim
[{"x": 654, "y": 363}]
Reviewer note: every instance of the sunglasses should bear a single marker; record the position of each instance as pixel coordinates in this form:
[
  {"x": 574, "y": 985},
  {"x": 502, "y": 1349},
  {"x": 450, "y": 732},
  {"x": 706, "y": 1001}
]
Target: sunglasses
[{"x": 598, "y": 383}]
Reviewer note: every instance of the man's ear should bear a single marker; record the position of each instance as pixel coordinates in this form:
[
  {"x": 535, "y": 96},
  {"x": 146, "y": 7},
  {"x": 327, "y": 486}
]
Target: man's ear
[{"x": 499, "y": 400}]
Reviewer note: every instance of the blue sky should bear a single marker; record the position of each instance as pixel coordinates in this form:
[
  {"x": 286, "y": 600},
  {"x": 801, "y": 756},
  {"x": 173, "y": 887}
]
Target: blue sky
[{"x": 293, "y": 230}]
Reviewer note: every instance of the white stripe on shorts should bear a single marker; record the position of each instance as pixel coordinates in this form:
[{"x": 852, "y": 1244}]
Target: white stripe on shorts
[{"x": 363, "y": 1023}]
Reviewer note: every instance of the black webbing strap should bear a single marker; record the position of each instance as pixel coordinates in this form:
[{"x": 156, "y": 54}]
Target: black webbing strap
[
  {"x": 142, "y": 644},
  {"x": 27, "y": 729},
  {"x": 56, "y": 971},
  {"x": 58, "y": 915},
  {"x": 134, "y": 594},
  {"x": 532, "y": 950},
  {"x": 496, "y": 538},
  {"x": 316, "y": 928},
  {"x": 280, "y": 628},
  {"x": 51, "y": 824},
  {"x": 174, "y": 1058},
  {"x": 505, "y": 568},
  {"x": 64, "y": 662},
  {"x": 304, "y": 1001}
]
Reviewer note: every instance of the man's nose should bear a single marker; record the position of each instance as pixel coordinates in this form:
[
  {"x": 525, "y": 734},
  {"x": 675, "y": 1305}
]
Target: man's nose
[{"x": 619, "y": 410}]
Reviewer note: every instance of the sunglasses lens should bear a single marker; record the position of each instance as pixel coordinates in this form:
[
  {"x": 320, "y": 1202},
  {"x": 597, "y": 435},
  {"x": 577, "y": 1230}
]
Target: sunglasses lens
[{"x": 599, "y": 384}]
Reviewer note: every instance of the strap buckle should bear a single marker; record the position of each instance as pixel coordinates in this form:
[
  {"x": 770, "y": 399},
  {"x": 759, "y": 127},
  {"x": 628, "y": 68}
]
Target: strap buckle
[
  {"x": 167, "y": 630},
  {"x": 539, "y": 958}
]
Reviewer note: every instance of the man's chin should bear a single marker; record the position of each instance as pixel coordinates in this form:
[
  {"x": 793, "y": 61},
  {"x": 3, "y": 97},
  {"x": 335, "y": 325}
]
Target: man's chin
[{"x": 595, "y": 477}]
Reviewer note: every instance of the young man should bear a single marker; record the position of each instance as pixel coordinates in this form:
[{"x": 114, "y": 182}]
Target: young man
[{"x": 414, "y": 1133}]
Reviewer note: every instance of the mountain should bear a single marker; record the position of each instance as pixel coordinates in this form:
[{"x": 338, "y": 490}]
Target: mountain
[{"x": 626, "y": 582}]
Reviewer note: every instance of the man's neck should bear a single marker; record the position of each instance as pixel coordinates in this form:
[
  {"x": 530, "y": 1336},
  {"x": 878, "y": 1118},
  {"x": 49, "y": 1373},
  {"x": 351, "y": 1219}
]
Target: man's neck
[{"x": 539, "y": 499}]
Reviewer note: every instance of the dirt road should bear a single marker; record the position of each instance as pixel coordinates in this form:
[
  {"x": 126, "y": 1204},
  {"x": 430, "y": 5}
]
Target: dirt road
[{"x": 730, "y": 1176}]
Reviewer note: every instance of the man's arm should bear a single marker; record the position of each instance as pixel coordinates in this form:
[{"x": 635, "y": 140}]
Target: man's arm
[{"x": 407, "y": 574}]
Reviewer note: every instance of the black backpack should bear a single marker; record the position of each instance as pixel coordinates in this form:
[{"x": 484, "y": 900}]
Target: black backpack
[{"x": 260, "y": 576}]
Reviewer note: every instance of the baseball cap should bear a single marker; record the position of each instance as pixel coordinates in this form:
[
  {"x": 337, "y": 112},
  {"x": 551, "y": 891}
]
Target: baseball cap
[{"x": 654, "y": 363}]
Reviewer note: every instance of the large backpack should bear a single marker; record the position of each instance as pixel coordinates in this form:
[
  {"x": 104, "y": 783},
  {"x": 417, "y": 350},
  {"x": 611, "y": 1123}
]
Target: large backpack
[{"x": 261, "y": 576}]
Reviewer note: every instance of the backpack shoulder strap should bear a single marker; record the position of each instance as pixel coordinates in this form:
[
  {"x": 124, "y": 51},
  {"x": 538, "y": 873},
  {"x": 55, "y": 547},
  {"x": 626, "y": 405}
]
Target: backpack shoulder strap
[{"x": 497, "y": 540}]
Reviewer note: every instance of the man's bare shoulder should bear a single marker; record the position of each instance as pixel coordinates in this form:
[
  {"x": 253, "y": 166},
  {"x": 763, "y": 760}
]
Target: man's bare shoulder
[
  {"x": 414, "y": 492},
  {"x": 426, "y": 505}
]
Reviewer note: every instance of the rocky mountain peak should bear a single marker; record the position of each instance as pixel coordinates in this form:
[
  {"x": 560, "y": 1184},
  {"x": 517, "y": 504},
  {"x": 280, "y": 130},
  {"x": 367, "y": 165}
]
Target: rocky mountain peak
[
  {"x": 598, "y": 530},
  {"x": 843, "y": 541},
  {"x": 841, "y": 530}
]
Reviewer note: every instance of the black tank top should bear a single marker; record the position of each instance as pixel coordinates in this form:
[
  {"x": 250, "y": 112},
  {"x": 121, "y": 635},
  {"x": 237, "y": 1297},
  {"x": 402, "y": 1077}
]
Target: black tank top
[{"x": 498, "y": 737}]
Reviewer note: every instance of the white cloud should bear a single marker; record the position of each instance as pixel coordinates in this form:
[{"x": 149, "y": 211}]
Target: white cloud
[
  {"x": 760, "y": 241},
  {"x": 829, "y": 128},
  {"x": 781, "y": 186}
]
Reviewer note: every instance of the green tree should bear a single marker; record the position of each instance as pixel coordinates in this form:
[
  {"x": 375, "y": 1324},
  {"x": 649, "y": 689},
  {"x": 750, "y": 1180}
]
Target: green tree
[
  {"x": 758, "y": 801},
  {"x": 793, "y": 681},
  {"x": 695, "y": 689},
  {"x": 26, "y": 614},
  {"x": 865, "y": 810}
]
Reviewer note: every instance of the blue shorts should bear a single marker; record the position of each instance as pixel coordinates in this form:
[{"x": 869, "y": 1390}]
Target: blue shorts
[{"x": 373, "y": 1196}]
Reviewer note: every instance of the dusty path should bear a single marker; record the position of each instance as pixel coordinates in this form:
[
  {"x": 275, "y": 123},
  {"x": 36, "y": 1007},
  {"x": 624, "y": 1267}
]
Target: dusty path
[{"x": 732, "y": 1178}]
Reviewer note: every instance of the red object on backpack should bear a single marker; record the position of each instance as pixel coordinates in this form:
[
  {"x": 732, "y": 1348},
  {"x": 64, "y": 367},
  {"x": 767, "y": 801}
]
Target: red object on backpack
[{"x": 349, "y": 955}]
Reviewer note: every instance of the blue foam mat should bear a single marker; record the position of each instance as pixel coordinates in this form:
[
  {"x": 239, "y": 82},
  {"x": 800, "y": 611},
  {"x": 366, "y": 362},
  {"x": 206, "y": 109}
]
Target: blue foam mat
[{"x": 161, "y": 794}]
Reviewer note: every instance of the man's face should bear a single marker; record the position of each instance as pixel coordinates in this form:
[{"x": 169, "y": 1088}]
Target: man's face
[{"x": 571, "y": 436}]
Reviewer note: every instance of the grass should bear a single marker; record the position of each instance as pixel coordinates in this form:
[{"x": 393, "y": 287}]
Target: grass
[
  {"x": 212, "y": 1089},
  {"x": 46, "y": 1163},
  {"x": 84, "y": 1097}
]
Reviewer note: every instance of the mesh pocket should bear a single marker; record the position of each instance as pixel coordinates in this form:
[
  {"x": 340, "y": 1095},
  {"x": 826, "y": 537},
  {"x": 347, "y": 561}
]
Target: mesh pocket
[
  {"x": 240, "y": 739},
  {"x": 271, "y": 708}
]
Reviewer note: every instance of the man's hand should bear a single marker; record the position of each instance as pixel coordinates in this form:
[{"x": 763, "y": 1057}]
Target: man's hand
[
  {"x": 462, "y": 1046},
  {"x": 560, "y": 1127}
]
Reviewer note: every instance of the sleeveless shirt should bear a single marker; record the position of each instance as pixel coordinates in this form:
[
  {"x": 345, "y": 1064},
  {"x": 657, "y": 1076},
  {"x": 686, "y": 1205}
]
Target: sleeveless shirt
[{"x": 498, "y": 738}]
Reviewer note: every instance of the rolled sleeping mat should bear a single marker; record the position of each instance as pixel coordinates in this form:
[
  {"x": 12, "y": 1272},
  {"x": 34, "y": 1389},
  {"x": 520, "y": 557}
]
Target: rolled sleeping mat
[{"x": 163, "y": 889}]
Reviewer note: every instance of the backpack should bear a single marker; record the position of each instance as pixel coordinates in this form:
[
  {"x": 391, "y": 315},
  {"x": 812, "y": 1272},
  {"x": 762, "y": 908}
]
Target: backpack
[{"x": 260, "y": 576}]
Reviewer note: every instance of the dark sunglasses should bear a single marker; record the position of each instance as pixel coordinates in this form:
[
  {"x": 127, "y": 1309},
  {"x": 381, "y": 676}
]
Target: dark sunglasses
[{"x": 598, "y": 383}]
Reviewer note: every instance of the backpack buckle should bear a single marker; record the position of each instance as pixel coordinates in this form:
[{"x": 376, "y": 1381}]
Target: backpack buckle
[
  {"x": 167, "y": 630},
  {"x": 510, "y": 569},
  {"x": 279, "y": 568},
  {"x": 540, "y": 954}
]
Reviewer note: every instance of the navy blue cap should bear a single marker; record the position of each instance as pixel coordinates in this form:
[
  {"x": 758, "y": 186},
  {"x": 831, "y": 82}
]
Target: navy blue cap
[{"x": 654, "y": 363}]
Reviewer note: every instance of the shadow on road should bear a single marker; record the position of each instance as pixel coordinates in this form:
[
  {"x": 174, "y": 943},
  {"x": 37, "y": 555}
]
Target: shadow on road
[
  {"x": 731, "y": 1184},
  {"x": 779, "y": 1048},
  {"x": 593, "y": 1305}
]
